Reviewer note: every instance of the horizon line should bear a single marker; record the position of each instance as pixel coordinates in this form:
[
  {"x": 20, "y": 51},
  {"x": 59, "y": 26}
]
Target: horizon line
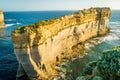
[{"x": 45, "y": 10}]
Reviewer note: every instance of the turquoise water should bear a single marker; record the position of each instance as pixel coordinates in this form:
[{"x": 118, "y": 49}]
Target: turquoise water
[{"x": 8, "y": 61}]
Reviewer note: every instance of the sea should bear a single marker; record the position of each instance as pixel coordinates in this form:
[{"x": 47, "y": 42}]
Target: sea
[{"x": 13, "y": 20}]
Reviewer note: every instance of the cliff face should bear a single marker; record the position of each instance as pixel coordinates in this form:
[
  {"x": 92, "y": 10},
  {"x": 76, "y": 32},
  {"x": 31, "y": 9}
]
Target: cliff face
[
  {"x": 1, "y": 19},
  {"x": 42, "y": 48}
]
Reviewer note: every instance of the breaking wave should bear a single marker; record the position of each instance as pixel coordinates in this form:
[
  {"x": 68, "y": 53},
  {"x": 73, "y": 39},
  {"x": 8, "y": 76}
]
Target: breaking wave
[
  {"x": 8, "y": 25},
  {"x": 114, "y": 24}
]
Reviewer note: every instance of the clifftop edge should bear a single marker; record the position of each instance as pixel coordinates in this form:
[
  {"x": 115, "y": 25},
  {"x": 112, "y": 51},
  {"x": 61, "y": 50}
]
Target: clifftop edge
[{"x": 49, "y": 28}]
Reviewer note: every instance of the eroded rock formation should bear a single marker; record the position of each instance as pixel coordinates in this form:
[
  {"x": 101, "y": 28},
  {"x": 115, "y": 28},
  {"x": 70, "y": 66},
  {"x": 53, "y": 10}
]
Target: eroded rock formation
[
  {"x": 1, "y": 19},
  {"x": 41, "y": 48}
]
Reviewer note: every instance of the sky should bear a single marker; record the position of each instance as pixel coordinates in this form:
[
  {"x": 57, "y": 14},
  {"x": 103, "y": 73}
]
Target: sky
[{"x": 43, "y": 5}]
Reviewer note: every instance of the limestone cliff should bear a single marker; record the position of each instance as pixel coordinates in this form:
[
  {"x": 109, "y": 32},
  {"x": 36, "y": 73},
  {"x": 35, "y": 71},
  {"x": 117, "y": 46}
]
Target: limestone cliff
[
  {"x": 41, "y": 48},
  {"x": 1, "y": 19}
]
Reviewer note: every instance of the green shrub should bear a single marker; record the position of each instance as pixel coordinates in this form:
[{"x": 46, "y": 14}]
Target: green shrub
[
  {"x": 97, "y": 78},
  {"x": 89, "y": 68},
  {"x": 107, "y": 68},
  {"x": 109, "y": 65},
  {"x": 20, "y": 30}
]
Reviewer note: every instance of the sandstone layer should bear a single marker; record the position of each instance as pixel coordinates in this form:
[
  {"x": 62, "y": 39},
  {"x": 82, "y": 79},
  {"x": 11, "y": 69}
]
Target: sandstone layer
[
  {"x": 41, "y": 48},
  {"x": 1, "y": 19}
]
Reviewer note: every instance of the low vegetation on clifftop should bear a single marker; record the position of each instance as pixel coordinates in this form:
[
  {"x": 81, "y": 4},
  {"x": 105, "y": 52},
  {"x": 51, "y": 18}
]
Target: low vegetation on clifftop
[
  {"x": 49, "y": 28},
  {"x": 107, "y": 68}
]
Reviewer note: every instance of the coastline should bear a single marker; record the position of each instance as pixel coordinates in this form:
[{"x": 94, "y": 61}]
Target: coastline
[
  {"x": 112, "y": 39},
  {"x": 71, "y": 67},
  {"x": 50, "y": 42},
  {"x": 88, "y": 46}
]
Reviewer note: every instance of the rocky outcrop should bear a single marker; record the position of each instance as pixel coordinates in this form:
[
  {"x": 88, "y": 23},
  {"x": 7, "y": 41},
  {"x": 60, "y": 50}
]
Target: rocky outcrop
[
  {"x": 41, "y": 48},
  {"x": 1, "y": 19}
]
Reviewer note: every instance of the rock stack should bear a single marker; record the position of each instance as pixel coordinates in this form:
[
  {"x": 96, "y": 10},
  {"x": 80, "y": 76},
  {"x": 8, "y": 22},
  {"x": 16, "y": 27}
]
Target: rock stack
[{"x": 41, "y": 48}]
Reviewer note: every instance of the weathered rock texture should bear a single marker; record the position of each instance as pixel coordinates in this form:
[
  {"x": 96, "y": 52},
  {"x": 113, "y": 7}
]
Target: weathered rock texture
[
  {"x": 1, "y": 19},
  {"x": 42, "y": 47}
]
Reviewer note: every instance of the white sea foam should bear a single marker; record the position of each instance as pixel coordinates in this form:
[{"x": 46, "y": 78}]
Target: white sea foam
[
  {"x": 8, "y": 25},
  {"x": 10, "y": 19},
  {"x": 93, "y": 42},
  {"x": 18, "y": 23},
  {"x": 115, "y": 30},
  {"x": 114, "y": 22},
  {"x": 114, "y": 35},
  {"x": 111, "y": 37}
]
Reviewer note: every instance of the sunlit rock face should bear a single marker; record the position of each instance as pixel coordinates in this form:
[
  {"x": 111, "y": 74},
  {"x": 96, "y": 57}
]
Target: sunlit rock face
[
  {"x": 1, "y": 18},
  {"x": 41, "y": 48}
]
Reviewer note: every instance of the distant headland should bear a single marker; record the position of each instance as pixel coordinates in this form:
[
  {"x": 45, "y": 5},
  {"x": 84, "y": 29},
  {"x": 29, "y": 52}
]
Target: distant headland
[{"x": 1, "y": 18}]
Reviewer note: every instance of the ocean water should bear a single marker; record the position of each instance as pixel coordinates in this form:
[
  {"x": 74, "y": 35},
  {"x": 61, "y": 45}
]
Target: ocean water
[{"x": 8, "y": 61}]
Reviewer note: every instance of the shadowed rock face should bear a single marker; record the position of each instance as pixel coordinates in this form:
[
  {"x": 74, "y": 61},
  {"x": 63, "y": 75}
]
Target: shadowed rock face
[
  {"x": 1, "y": 19},
  {"x": 41, "y": 48}
]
